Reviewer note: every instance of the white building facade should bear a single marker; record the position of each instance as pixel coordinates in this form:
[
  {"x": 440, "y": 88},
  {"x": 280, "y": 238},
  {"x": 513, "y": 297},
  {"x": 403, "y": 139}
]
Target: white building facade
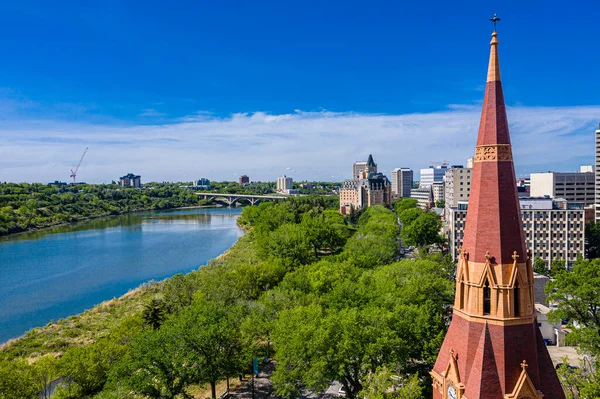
[
  {"x": 284, "y": 184},
  {"x": 573, "y": 187}
]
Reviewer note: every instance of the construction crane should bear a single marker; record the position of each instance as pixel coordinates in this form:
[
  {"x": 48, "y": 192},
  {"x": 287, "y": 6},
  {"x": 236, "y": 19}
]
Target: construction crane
[{"x": 74, "y": 172}]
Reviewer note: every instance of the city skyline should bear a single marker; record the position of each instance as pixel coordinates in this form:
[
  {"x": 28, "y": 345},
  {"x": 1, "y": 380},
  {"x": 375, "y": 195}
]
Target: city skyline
[{"x": 229, "y": 104}]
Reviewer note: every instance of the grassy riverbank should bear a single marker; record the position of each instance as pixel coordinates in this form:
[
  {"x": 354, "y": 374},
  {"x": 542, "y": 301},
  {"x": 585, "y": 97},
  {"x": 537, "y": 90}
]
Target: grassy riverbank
[{"x": 116, "y": 316}]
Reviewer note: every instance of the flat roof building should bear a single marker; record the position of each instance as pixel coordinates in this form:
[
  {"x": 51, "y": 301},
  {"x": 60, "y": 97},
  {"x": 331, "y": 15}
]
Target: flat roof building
[
  {"x": 402, "y": 181},
  {"x": 571, "y": 186},
  {"x": 130, "y": 180}
]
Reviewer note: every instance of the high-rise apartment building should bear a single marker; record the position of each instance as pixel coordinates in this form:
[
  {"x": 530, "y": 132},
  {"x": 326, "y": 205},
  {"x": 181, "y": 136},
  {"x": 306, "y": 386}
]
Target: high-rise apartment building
[
  {"x": 432, "y": 175},
  {"x": 457, "y": 182},
  {"x": 402, "y": 181},
  {"x": 572, "y": 186},
  {"x": 284, "y": 184},
  {"x": 130, "y": 180}
]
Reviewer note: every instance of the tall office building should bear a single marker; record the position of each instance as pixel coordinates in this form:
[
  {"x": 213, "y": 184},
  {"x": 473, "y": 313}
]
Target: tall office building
[
  {"x": 572, "y": 186},
  {"x": 284, "y": 184},
  {"x": 457, "y": 185},
  {"x": 493, "y": 348},
  {"x": 402, "y": 181},
  {"x": 432, "y": 175}
]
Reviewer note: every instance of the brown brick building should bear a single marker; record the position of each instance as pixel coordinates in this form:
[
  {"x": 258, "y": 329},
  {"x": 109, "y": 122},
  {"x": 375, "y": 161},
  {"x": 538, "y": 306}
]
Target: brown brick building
[{"x": 494, "y": 348}]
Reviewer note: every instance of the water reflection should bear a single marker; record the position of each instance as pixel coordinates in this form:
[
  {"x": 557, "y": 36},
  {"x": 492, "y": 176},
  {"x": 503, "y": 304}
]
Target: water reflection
[{"x": 54, "y": 273}]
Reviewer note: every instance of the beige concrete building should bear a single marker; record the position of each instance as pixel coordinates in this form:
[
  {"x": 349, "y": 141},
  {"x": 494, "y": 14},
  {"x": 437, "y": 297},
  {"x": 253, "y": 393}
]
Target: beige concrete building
[
  {"x": 554, "y": 229},
  {"x": 284, "y": 184},
  {"x": 573, "y": 187},
  {"x": 424, "y": 196},
  {"x": 402, "y": 181},
  {"x": 457, "y": 185},
  {"x": 438, "y": 192}
]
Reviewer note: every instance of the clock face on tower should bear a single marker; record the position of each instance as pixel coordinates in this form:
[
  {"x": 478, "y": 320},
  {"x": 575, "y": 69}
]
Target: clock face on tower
[{"x": 451, "y": 393}]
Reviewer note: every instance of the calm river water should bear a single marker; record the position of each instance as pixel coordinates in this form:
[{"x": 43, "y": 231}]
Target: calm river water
[{"x": 55, "y": 273}]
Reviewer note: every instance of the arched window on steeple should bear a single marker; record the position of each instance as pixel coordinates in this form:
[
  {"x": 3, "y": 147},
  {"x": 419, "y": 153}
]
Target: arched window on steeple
[
  {"x": 517, "y": 300},
  {"x": 487, "y": 298},
  {"x": 461, "y": 295}
]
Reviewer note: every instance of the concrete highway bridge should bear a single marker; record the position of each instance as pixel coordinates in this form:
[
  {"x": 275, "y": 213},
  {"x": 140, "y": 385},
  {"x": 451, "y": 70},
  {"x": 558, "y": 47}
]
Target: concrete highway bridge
[{"x": 231, "y": 199}]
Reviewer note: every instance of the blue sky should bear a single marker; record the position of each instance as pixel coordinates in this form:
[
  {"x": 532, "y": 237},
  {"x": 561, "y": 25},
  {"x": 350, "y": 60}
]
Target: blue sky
[{"x": 179, "y": 90}]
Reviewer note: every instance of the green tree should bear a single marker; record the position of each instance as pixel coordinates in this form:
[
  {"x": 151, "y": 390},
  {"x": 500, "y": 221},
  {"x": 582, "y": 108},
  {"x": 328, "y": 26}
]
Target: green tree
[
  {"x": 178, "y": 292},
  {"x": 157, "y": 366},
  {"x": 592, "y": 238},
  {"x": 576, "y": 294},
  {"x": 405, "y": 203},
  {"x": 45, "y": 370},
  {"x": 211, "y": 333},
  {"x": 539, "y": 266},
  {"x": 290, "y": 242},
  {"x": 17, "y": 381},
  {"x": 423, "y": 231},
  {"x": 382, "y": 384},
  {"x": 154, "y": 313},
  {"x": 408, "y": 216}
]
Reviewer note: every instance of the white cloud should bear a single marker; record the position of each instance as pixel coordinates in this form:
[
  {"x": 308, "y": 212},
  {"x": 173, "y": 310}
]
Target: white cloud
[{"x": 316, "y": 145}]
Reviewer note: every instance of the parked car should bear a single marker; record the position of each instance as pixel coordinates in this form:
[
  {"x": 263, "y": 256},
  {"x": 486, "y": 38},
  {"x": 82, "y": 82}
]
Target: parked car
[{"x": 341, "y": 392}]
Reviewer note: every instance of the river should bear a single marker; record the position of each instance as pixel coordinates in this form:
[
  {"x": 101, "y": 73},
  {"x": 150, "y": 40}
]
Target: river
[{"x": 54, "y": 273}]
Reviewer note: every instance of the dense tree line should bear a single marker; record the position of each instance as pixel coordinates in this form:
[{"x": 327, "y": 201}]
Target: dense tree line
[
  {"x": 33, "y": 206},
  {"x": 328, "y": 299},
  {"x": 261, "y": 188}
]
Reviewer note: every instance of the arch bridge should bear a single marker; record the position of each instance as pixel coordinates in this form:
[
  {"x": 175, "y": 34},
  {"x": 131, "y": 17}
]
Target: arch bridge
[{"x": 232, "y": 199}]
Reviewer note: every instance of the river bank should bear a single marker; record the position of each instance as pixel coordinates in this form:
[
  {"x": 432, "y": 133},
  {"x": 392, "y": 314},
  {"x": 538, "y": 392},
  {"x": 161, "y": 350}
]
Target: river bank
[
  {"x": 101, "y": 217},
  {"x": 104, "y": 319},
  {"x": 52, "y": 275}
]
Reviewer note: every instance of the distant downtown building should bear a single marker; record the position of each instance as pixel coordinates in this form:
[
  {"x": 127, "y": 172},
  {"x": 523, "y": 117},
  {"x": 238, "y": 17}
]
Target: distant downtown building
[
  {"x": 130, "y": 180},
  {"x": 202, "y": 182},
  {"x": 368, "y": 189},
  {"x": 572, "y": 186},
  {"x": 424, "y": 196},
  {"x": 402, "y": 182},
  {"x": 457, "y": 185},
  {"x": 284, "y": 184},
  {"x": 437, "y": 191},
  {"x": 432, "y": 175},
  {"x": 243, "y": 180},
  {"x": 554, "y": 228}
]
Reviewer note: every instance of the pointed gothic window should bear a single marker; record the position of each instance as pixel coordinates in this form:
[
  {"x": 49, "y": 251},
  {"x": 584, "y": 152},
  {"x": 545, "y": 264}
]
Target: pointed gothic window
[
  {"x": 461, "y": 298},
  {"x": 487, "y": 298},
  {"x": 517, "y": 299}
]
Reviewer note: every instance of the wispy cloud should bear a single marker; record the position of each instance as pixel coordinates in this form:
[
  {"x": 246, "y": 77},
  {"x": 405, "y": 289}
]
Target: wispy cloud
[
  {"x": 316, "y": 145},
  {"x": 151, "y": 113}
]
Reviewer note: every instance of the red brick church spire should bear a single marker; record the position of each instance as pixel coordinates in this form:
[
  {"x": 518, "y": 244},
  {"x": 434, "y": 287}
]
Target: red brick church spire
[{"x": 493, "y": 348}]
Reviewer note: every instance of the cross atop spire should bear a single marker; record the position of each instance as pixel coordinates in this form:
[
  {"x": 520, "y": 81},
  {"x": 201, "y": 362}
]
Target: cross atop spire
[{"x": 495, "y": 19}]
